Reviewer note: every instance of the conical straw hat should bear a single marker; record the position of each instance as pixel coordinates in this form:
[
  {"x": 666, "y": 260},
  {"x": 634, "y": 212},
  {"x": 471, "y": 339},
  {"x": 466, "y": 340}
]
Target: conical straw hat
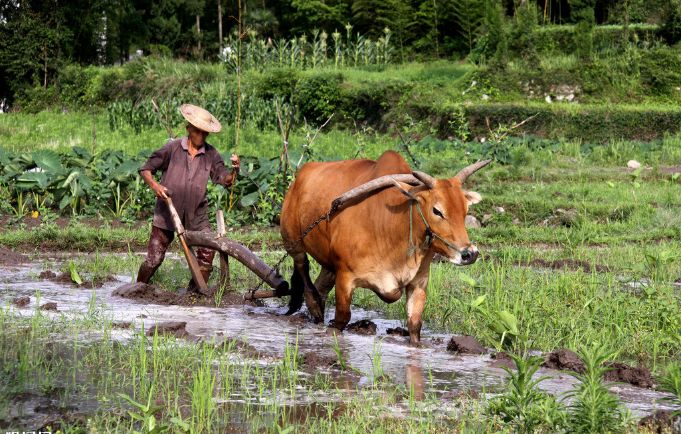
[{"x": 200, "y": 118}]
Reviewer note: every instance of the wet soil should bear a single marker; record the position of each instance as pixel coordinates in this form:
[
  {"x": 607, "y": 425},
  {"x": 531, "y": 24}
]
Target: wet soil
[
  {"x": 65, "y": 278},
  {"x": 10, "y": 257},
  {"x": 568, "y": 264},
  {"x": 170, "y": 328},
  {"x": 566, "y": 360},
  {"x": 397, "y": 331},
  {"x": 626, "y": 374},
  {"x": 150, "y": 294},
  {"x": 502, "y": 360},
  {"x": 662, "y": 422},
  {"x": 465, "y": 345},
  {"x": 315, "y": 360},
  {"x": 22, "y": 301},
  {"x": 49, "y": 306},
  {"x": 363, "y": 327}
]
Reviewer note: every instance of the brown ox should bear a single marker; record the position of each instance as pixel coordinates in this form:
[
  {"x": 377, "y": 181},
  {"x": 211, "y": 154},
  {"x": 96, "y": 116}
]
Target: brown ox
[{"x": 368, "y": 243}]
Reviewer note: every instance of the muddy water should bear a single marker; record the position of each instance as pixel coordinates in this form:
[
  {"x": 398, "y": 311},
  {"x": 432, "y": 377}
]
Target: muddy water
[{"x": 428, "y": 370}]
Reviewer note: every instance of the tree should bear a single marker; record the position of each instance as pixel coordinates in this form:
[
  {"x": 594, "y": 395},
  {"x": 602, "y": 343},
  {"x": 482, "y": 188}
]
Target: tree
[
  {"x": 469, "y": 15},
  {"x": 318, "y": 14}
]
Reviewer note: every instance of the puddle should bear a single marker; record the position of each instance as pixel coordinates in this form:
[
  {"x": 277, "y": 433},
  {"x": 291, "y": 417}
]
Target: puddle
[{"x": 429, "y": 370}]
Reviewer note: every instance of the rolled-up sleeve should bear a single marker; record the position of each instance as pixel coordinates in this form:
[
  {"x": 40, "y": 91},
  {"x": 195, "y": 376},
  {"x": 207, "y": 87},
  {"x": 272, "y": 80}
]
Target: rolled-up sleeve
[
  {"x": 158, "y": 160},
  {"x": 219, "y": 173}
]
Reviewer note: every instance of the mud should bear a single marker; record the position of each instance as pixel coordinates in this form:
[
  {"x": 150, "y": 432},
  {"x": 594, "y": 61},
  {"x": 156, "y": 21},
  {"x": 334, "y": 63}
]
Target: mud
[
  {"x": 465, "y": 345},
  {"x": 567, "y": 360},
  {"x": 662, "y": 422},
  {"x": 47, "y": 274},
  {"x": 263, "y": 333},
  {"x": 568, "y": 264},
  {"x": 10, "y": 257},
  {"x": 626, "y": 374},
  {"x": 144, "y": 293},
  {"x": 564, "y": 360},
  {"x": 21, "y": 301},
  {"x": 363, "y": 327},
  {"x": 502, "y": 360},
  {"x": 397, "y": 331},
  {"x": 315, "y": 360},
  {"x": 171, "y": 328},
  {"x": 49, "y": 306},
  {"x": 65, "y": 278}
]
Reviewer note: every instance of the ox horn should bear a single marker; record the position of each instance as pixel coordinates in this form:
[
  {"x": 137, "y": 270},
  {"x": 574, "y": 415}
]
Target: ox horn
[
  {"x": 468, "y": 171},
  {"x": 358, "y": 193},
  {"x": 426, "y": 179}
]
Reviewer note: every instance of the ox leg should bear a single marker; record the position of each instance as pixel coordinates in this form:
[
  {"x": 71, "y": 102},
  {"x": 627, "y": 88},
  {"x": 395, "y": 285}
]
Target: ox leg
[
  {"x": 324, "y": 283},
  {"x": 301, "y": 283},
  {"x": 416, "y": 300},
  {"x": 344, "y": 290}
]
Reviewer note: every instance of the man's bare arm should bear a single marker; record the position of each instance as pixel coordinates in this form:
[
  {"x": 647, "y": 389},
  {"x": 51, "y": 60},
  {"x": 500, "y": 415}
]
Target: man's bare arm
[{"x": 151, "y": 182}]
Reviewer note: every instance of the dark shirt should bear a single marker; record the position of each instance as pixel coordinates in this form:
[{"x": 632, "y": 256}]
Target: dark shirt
[{"x": 187, "y": 179}]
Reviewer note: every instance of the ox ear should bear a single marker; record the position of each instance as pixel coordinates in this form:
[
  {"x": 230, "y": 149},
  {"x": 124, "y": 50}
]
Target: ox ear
[{"x": 472, "y": 197}]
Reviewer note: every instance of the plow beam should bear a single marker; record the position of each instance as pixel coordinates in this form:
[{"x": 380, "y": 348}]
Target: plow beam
[{"x": 243, "y": 255}]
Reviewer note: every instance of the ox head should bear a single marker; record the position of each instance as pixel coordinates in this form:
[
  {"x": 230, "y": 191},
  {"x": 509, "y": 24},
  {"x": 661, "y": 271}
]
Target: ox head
[{"x": 444, "y": 206}]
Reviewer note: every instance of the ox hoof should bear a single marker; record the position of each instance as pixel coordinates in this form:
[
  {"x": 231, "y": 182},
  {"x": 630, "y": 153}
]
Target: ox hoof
[{"x": 333, "y": 331}]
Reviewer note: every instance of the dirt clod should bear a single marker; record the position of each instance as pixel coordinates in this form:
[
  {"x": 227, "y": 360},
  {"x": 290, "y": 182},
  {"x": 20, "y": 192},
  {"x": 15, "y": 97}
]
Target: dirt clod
[
  {"x": 362, "y": 327},
  {"x": 10, "y": 257},
  {"x": 465, "y": 345},
  {"x": 662, "y": 421},
  {"x": 22, "y": 301},
  {"x": 502, "y": 360},
  {"x": 47, "y": 274},
  {"x": 49, "y": 306},
  {"x": 121, "y": 325},
  {"x": 150, "y": 294},
  {"x": 174, "y": 328},
  {"x": 626, "y": 374},
  {"x": 314, "y": 361},
  {"x": 398, "y": 331},
  {"x": 564, "y": 359}
]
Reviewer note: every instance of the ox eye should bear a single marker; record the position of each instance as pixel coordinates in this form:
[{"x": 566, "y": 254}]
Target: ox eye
[{"x": 438, "y": 213}]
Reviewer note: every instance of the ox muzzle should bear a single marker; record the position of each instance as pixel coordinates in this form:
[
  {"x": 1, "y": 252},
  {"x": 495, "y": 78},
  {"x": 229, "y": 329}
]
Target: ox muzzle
[{"x": 465, "y": 256}]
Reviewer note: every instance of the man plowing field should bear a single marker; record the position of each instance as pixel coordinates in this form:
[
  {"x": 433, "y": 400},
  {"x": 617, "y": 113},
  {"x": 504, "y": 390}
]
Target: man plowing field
[{"x": 186, "y": 164}]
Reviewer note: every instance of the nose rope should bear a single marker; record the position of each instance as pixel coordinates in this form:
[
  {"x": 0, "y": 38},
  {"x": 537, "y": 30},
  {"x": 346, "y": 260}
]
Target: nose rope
[{"x": 430, "y": 235}]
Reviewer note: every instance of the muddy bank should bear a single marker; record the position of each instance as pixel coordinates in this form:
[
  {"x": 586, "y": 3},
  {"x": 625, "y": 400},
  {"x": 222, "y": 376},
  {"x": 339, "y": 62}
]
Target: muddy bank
[
  {"x": 566, "y": 360},
  {"x": 10, "y": 257},
  {"x": 662, "y": 421},
  {"x": 465, "y": 345},
  {"x": 144, "y": 293},
  {"x": 363, "y": 327}
]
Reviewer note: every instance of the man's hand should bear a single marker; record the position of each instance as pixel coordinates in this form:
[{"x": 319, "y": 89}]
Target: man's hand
[
  {"x": 236, "y": 163},
  {"x": 160, "y": 191}
]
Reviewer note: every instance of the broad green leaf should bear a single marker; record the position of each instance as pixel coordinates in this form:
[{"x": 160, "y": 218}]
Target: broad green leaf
[
  {"x": 465, "y": 278},
  {"x": 75, "y": 277},
  {"x": 478, "y": 301}
]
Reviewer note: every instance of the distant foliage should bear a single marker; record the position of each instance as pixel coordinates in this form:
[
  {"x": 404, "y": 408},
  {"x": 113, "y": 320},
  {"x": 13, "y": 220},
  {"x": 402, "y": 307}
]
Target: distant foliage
[
  {"x": 671, "y": 25},
  {"x": 522, "y": 36},
  {"x": 469, "y": 15}
]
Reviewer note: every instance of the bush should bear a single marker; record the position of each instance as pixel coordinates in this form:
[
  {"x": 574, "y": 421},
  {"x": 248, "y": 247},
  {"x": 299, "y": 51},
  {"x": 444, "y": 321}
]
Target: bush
[
  {"x": 671, "y": 26},
  {"x": 661, "y": 70},
  {"x": 278, "y": 82},
  {"x": 318, "y": 96}
]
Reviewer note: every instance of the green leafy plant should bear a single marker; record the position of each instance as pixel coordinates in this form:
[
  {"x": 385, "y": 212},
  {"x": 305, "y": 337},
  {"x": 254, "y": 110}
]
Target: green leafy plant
[
  {"x": 671, "y": 382},
  {"x": 524, "y": 405},
  {"x": 145, "y": 414},
  {"x": 594, "y": 408}
]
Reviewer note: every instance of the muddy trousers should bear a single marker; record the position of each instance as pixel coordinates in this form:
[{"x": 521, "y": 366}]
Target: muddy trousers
[{"x": 159, "y": 241}]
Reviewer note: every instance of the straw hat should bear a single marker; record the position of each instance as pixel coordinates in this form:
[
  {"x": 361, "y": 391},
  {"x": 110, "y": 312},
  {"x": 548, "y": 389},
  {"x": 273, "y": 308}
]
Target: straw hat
[{"x": 200, "y": 118}]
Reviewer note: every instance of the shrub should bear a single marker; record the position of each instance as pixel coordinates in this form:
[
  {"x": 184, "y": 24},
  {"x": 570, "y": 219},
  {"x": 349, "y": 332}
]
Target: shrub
[
  {"x": 661, "y": 70},
  {"x": 670, "y": 30},
  {"x": 277, "y": 82},
  {"x": 317, "y": 96}
]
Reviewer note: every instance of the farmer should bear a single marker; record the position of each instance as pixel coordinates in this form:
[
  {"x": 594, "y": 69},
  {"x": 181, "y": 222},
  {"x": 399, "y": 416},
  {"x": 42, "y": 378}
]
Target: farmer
[{"x": 186, "y": 164}]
